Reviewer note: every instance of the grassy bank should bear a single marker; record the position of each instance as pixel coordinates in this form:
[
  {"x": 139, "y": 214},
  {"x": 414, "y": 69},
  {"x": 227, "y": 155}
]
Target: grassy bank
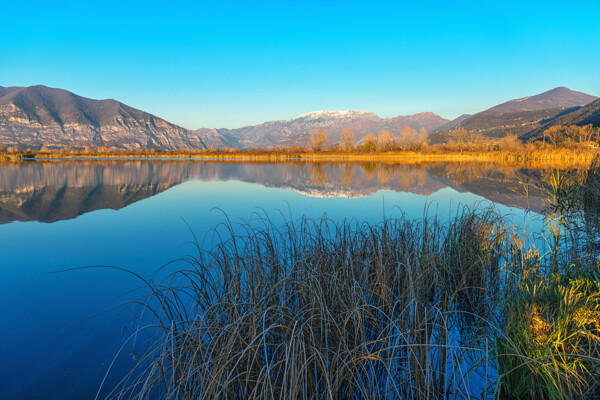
[
  {"x": 519, "y": 154},
  {"x": 414, "y": 309},
  {"x": 557, "y": 159}
]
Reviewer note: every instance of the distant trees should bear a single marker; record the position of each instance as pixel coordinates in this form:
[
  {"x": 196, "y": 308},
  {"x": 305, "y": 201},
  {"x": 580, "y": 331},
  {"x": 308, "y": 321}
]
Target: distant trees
[
  {"x": 370, "y": 143},
  {"x": 461, "y": 136},
  {"x": 588, "y": 133},
  {"x": 318, "y": 139},
  {"x": 555, "y": 134},
  {"x": 462, "y": 139},
  {"x": 561, "y": 135},
  {"x": 408, "y": 138},
  {"x": 422, "y": 136},
  {"x": 509, "y": 143},
  {"x": 348, "y": 139},
  {"x": 408, "y": 135},
  {"x": 385, "y": 142}
]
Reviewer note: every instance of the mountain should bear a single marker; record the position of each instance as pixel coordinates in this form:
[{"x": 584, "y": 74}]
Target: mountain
[
  {"x": 297, "y": 130},
  {"x": 454, "y": 123},
  {"x": 560, "y": 97},
  {"x": 526, "y": 114},
  {"x": 589, "y": 114},
  {"x": 39, "y": 115}
]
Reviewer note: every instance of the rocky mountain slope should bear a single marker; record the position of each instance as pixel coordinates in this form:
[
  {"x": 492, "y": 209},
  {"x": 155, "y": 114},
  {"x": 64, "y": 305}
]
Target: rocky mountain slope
[
  {"x": 560, "y": 97},
  {"x": 454, "y": 123},
  {"x": 589, "y": 114},
  {"x": 39, "y": 115},
  {"x": 527, "y": 114}
]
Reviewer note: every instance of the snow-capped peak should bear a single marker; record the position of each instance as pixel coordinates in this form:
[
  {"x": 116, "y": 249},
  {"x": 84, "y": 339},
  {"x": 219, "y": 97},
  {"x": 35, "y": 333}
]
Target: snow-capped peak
[
  {"x": 521, "y": 99},
  {"x": 334, "y": 114}
]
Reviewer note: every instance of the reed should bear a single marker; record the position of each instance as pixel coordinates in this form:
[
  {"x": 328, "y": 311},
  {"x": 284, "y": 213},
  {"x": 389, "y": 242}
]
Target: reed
[
  {"x": 314, "y": 309},
  {"x": 550, "y": 348},
  {"x": 525, "y": 154},
  {"x": 552, "y": 345}
]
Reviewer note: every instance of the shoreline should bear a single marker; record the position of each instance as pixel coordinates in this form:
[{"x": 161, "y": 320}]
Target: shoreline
[{"x": 555, "y": 158}]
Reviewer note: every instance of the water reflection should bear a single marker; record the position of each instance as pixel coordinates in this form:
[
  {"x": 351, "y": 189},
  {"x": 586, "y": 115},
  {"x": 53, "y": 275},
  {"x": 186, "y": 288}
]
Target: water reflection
[
  {"x": 54, "y": 191},
  {"x": 45, "y": 346}
]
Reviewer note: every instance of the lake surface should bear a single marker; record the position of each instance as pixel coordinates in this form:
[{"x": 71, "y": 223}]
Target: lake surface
[{"x": 138, "y": 215}]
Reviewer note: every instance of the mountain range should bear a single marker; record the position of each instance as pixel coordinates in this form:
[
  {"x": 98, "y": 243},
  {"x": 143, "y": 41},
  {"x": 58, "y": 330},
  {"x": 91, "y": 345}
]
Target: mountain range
[
  {"x": 297, "y": 130},
  {"x": 38, "y": 115}
]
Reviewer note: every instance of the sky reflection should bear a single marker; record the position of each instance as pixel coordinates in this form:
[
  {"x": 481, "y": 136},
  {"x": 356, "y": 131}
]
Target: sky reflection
[{"x": 45, "y": 345}]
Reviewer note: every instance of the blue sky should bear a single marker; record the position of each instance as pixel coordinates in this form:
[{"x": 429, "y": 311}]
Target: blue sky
[{"x": 230, "y": 63}]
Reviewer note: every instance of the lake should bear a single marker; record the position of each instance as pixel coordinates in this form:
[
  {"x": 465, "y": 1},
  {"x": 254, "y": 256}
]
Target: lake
[{"x": 60, "y": 334}]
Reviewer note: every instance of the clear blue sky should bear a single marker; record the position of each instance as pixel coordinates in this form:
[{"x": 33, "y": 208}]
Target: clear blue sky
[{"x": 229, "y": 64}]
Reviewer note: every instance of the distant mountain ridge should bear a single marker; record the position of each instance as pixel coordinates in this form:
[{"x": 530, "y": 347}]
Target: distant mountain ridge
[
  {"x": 589, "y": 114},
  {"x": 297, "y": 130},
  {"x": 526, "y": 114},
  {"x": 39, "y": 115},
  {"x": 454, "y": 123},
  {"x": 560, "y": 97}
]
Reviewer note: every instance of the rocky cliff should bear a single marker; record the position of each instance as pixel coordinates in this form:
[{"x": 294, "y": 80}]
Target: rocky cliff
[{"x": 37, "y": 115}]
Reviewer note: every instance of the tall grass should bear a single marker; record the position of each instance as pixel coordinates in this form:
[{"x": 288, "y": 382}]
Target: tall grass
[
  {"x": 551, "y": 343},
  {"x": 314, "y": 309},
  {"x": 530, "y": 154}
]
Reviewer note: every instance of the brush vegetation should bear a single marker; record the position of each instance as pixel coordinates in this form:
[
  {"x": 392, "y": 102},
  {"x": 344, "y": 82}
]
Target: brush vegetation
[{"x": 410, "y": 309}]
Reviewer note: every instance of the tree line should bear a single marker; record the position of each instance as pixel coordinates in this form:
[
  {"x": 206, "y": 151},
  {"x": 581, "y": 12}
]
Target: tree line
[{"x": 407, "y": 139}]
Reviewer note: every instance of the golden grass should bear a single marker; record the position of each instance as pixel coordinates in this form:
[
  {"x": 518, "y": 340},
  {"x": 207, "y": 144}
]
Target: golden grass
[{"x": 535, "y": 157}]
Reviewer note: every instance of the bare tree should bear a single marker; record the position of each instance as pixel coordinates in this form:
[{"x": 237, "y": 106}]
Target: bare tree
[
  {"x": 555, "y": 134},
  {"x": 422, "y": 136},
  {"x": 385, "y": 141},
  {"x": 408, "y": 136},
  {"x": 509, "y": 142},
  {"x": 318, "y": 139},
  {"x": 347, "y": 139},
  {"x": 586, "y": 133}
]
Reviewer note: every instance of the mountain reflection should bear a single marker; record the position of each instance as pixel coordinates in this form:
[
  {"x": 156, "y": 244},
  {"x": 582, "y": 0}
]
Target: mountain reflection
[{"x": 54, "y": 191}]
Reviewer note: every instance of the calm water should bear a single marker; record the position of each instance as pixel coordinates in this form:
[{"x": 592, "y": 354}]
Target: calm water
[{"x": 135, "y": 214}]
